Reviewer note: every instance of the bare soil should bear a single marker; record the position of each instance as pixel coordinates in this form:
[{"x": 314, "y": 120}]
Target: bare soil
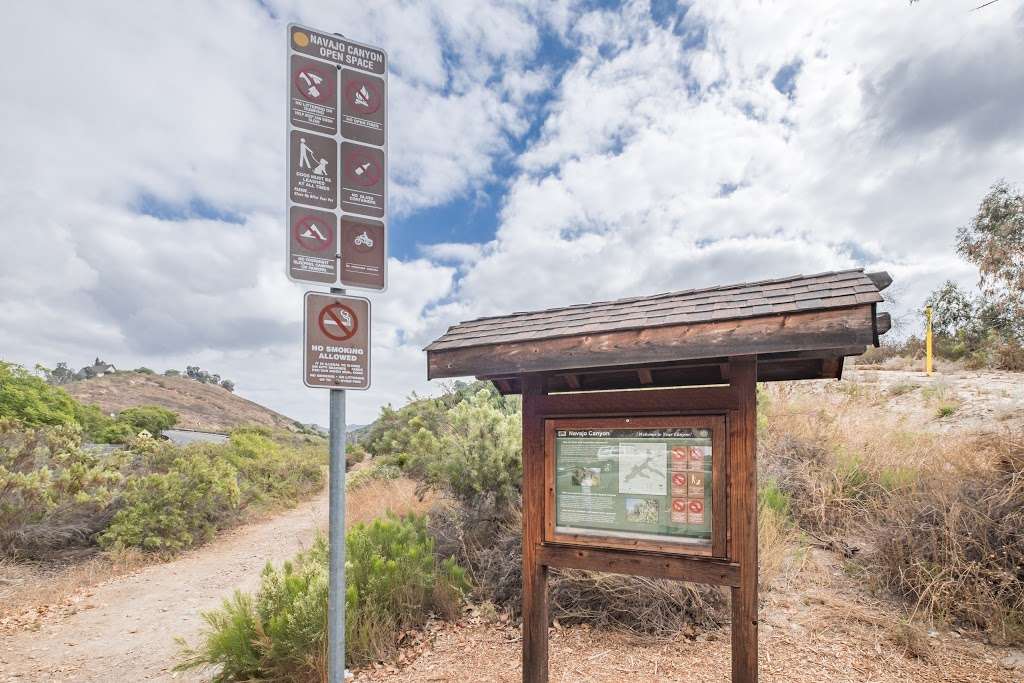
[
  {"x": 123, "y": 629},
  {"x": 203, "y": 407}
]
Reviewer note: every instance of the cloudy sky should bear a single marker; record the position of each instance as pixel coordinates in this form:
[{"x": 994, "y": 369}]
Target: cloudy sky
[{"x": 543, "y": 152}]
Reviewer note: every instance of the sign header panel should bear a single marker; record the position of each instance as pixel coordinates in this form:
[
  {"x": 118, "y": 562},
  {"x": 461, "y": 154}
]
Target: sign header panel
[
  {"x": 341, "y": 51},
  {"x": 337, "y": 160},
  {"x": 336, "y": 342}
]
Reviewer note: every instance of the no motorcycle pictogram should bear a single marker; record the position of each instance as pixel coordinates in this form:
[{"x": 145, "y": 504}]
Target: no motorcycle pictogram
[{"x": 338, "y": 322}]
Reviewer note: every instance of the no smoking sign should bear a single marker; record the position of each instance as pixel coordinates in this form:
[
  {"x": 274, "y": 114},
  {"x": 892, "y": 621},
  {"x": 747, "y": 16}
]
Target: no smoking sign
[{"x": 336, "y": 343}]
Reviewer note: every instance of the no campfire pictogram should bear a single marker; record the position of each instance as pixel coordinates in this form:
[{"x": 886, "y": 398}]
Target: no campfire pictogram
[
  {"x": 363, "y": 95},
  {"x": 313, "y": 234},
  {"x": 338, "y": 322}
]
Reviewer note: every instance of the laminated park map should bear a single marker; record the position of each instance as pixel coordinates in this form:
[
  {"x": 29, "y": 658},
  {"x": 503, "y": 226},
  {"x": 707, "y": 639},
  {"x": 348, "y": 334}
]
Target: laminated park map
[{"x": 653, "y": 484}]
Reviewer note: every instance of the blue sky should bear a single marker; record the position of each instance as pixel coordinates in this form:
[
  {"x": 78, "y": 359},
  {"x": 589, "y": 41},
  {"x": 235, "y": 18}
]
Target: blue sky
[{"x": 543, "y": 152}]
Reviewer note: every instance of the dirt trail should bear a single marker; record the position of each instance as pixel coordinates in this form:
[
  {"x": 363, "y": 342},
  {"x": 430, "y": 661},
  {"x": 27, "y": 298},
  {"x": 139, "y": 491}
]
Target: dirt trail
[{"x": 125, "y": 628}]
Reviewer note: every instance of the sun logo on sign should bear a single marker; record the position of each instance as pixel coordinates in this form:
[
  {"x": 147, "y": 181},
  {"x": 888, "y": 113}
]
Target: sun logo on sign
[{"x": 300, "y": 38}]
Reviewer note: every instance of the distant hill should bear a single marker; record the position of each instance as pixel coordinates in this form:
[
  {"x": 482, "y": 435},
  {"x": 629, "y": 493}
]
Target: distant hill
[{"x": 205, "y": 407}]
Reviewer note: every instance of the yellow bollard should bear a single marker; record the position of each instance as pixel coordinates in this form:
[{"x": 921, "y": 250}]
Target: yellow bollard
[{"x": 928, "y": 340}]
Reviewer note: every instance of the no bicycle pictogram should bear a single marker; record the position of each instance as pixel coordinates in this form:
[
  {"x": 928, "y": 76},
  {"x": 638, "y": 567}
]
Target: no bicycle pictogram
[{"x": 338, "y": 322}]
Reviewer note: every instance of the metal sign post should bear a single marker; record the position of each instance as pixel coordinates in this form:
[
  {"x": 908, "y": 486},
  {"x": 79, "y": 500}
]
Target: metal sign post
[{"x": 336, "y": 236}]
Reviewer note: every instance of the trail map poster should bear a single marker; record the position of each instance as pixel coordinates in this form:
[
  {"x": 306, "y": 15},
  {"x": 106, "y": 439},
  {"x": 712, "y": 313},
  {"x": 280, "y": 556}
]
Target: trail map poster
[{"x": 653, "y": 484}]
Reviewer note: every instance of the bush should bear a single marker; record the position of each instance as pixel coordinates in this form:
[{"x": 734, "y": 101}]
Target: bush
[
  {"x": 955, "y": 548},
  {"x": 477, "y": 459},
  {"x": 394, "y": 584},
  {"x": 153, "y": 419},
  {"x": 53, "y": 494},
  {"x": 169, "y": 511},
  {"x": 30, "y": 400}
]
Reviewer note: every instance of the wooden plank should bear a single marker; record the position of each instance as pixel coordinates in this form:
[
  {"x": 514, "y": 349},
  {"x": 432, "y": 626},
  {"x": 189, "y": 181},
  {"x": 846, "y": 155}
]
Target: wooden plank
[
  {"x": 680, "y": 568},
  {"x": 660, "y": 401},
  {"x": 743, "y": 518},
  {"x": 535, "y": 589},
  {"x": 796, "y": 331},
  {"x": 644, "y": 374}
]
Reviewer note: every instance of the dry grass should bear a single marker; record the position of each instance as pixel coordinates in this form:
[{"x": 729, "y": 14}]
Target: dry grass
[
  {"x": 378, "y": 497},
  {"x": 955, "y": 546},
  {"x": 942, "y": 515}
]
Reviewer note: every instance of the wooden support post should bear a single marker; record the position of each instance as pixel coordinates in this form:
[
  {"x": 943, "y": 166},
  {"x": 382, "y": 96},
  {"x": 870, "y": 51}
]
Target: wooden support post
[
  {"x": 743, "y": 517},
  {"x": 535, "y": 580}
]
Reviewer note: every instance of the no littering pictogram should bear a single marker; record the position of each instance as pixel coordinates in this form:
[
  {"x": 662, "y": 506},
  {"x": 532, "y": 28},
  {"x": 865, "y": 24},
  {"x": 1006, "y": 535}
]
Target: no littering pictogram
[
  {"x": 338, "y": 322},
  {"x": 678, "y": 506},
  {"x": 313, "y": 84}
]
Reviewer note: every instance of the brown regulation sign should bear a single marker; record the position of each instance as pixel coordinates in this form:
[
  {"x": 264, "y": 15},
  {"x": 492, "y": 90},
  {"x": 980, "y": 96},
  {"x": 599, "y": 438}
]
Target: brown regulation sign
[
  {"x": 336, "y": 342},
  {"x": 337, "y": 216}
]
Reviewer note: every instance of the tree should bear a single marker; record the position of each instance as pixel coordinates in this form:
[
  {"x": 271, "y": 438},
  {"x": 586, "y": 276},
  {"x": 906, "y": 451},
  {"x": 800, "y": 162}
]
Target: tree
[
  {"x": 153, "y": 419},
  {"x": 228, "y": 384},
  {"x": 994, "y": 242},
  {"x": 28, "y": 398}
]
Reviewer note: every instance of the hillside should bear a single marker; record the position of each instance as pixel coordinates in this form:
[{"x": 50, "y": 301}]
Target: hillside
[{"x": 205, "y": 407}]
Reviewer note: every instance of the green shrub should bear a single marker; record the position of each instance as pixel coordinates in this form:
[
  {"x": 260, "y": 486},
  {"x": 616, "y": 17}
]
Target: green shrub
[
  {"x": 169, "y": 511},
  {"x": 477, "y": 459},
  {"x": 153, "y": 419},
  {"x": 32, "y": 401},
  {"x": 269, "y": 473},
  {"x": 53, "y": 493},
  {"x": 394, "y": 584},
  {"x": 94, "y": 422},
  {"x": 117, "y": 432}
]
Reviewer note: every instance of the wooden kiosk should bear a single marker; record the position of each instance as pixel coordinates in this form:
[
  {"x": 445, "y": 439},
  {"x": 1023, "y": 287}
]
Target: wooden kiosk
[{"x": 639, "y": 427}]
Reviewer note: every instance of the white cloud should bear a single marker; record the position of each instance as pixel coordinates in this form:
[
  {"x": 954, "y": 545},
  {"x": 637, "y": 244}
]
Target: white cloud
[{"x": 665, "y": 158}]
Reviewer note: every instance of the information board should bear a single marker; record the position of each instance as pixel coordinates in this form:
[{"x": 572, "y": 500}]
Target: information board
[
  {"x": 336, "y": 343},
  {"x": 337, "y": 160},
  {"x": 645, "y": 483}
]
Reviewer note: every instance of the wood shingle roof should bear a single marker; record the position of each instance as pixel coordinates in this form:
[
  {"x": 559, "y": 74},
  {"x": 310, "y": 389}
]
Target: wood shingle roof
[{"x": 799, "y": 293}]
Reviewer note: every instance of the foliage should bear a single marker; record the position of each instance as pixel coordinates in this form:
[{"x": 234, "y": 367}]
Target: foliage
[
  {"x": 172, "y": 373},
  {"x": 206, "y": 377},
  {"x": 29, "y": 399},
  {"x": 153, "y": 419},
  {"x": 53, "y": 493},
  {"x": 994, "y": 242},
  {"x": 477, "y": 457},
  {"x": 394, "y": 583},
  {"x": 61, "y": 374},
  {"x": 144, "y": 371},
  {"x": 168, "y": 511},
  {"x": 56, "y": 495},
  {"x": 987, "y": 328}
]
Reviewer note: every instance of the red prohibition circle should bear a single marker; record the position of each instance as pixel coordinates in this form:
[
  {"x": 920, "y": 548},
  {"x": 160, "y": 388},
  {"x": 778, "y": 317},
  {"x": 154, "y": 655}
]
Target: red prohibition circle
[
  {"x": 696, "y": 506},
  {"x": 679, "y": 479},
  {"x": 362, "y": 168},
  {"x": 353, "y": 96},
  {"x": 678, "y": 506},
  {"x": 325, "y": 87},
  {"x": 305, "y": 225},
  {"x": 340, "y": 317}
]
